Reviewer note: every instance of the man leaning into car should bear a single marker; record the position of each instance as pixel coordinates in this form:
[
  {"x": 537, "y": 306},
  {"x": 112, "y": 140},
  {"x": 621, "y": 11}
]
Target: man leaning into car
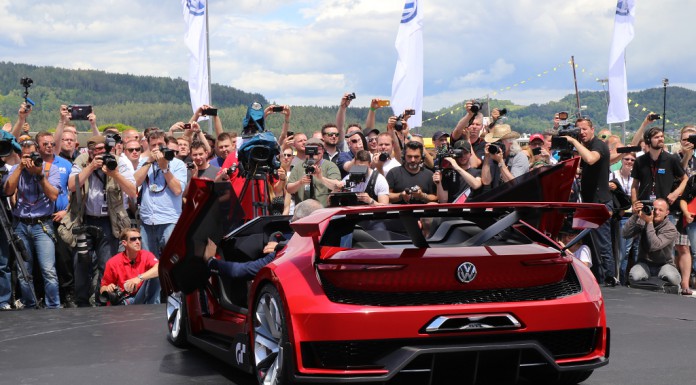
[{"x": 248, "y": 270}]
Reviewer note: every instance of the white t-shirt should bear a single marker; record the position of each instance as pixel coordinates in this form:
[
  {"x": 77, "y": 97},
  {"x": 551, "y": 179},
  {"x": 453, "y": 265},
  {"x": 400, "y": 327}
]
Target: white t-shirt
[
  {"x": 583, "y": 254},
  {"x": 381, "y": 185}
]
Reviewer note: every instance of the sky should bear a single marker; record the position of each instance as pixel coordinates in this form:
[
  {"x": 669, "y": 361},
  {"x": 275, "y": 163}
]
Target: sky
[{"x": 309, "y": 52}]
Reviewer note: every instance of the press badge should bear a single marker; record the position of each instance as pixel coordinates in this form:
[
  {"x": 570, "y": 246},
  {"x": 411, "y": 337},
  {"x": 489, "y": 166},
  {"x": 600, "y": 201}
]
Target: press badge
[
  {"x": 154, "y": 188},
  {"x": 660, "y": 170},
  {"x": 105, "y": 209},
  {"x": 652, "y": 197}
]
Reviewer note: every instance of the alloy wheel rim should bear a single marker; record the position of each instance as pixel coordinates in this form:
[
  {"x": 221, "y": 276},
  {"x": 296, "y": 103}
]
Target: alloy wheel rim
[
  {"x": 268, "y": 330},
  {"x": 174, "y": 316}
]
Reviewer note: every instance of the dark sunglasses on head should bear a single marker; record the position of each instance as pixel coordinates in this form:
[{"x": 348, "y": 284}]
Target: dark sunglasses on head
[
  {"x": 133, "y": 239},
  {"x": 28, "y": 143}
]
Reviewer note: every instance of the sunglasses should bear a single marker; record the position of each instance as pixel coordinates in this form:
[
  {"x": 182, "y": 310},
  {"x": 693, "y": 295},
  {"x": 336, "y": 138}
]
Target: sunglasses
[
  {"x": 629, "y": 160},
  {"x": 133, "y": 239},
  {"x": 134, "y": 149},
  {"x": 28, "y": 143},
  {"x": 46, "y": 144},
  {"x": 372, "y": 139},
  {"x": 331, "y": 133},
  {"x": 287, "y": 155},
  {"x": 355, "y": 141}
]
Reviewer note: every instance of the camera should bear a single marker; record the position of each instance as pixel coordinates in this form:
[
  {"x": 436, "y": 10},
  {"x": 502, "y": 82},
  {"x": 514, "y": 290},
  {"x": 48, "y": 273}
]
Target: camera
[
  {"x": 114, "y": 298},
  {"x": 277, "y": 109},
  {"x": 210, "y": 111},
  {"x": 412, "y": 190},
  {"x": 692, "y": 139},
  {"x": 654, "y": 117},
  {"x": 190, "y": 165},
  {"x": 536, "y": 151},
  {"x": 86, "y": 236},
  {"x": 475, "y": 107},
  {"x": 399, "y": 125},
  {"x": 109, "y": 161},
  {"x": 311, "y": 150},
  {"x": 231, "y": 169},
  {"x": 383, "y": 156},
  {"x": 558, "y": 142},
  {"x": 356, "y": 175},
  {"x": 167, "y": 153},
  {"x": 36, "y": 159},
  {"x": 79, "y": 111},
  {"x": 350, "y": 96},
  {"x": 310, "y": 167},
  {"x": 290, "y": 133},
  {"x": 26, "y": 82},
  {"x": 495, "y": 148},
  {"x": 410, "y": 112},
  {"x": 647, "y": 207},
  {"x": 187, "y": 126}
]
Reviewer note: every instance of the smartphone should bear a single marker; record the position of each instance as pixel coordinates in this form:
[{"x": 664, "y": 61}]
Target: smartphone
[
  {"x": 79, "y": 111},
  {"x": 654, "y": 117},
  {"x": 187, "y": 126},
  {"x": 290, "y": 133},
  {"x": 278, "y": 108},
  {"x": 410, "y": 112},
  {"x": 384, "y": 103},
  {"x": 536, "y": 151},
  {"x": 210, "y": 111}
]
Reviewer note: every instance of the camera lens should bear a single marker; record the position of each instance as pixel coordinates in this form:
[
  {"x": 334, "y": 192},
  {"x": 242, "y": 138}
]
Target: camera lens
[{"x": 383, "y": 157}]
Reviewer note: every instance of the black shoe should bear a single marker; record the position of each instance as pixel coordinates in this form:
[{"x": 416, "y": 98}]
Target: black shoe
[
  {"x": 611, "y": 281},
  {"x": 69, "y": 301}
]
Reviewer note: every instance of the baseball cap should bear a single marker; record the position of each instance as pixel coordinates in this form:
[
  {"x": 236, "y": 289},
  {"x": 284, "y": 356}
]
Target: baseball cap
[
  {"x": 463, "y": 144},
  {"x": 368, "y": 131},
  {"x": 536, "y": 137},
  {"x": 439, "y": 134},
  {"x": 96, "y": 139},
  {"x": 314, "y": 142}
]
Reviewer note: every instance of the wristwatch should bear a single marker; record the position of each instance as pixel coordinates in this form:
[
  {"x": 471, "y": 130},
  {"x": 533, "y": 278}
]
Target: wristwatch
[
  {"x": 165, "y": 170},
  {"x": 140, "y": 276}
]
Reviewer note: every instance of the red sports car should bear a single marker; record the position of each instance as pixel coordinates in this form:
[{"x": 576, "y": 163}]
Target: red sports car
[{"x": 467, "y": 293}]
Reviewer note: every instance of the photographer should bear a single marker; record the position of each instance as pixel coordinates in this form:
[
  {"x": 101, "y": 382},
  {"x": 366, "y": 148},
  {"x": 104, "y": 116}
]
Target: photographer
[
  {"x": 374, "y": 189},
  {"x": 37, "y": 189},
  {"x": 469, "y": 127},
  {"x": 655, "y": 255},
  {"x": 316, "y": 178},
  {"x": 133, "y": 272},
  {"x": 103, "y": 181},
  {"x": 385, "y": 159},
  {"x": 411, "y": 183},
  {"x": 460, "y": 178},
  {"x": 504, "y": 160},
  {"x": 356, "y": 142},
  {"x": 163, "y": 180}
]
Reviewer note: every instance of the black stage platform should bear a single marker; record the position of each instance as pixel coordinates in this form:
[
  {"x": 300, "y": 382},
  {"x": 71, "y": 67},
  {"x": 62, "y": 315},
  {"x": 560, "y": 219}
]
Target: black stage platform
[{"x": 653, "y": 337}]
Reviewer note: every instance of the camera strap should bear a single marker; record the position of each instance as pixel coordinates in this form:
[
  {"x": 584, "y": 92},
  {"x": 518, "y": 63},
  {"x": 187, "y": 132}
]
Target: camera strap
[{"x": 370, "y": 188}]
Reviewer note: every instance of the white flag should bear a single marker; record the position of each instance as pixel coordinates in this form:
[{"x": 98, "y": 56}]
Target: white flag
[
  {"x": 618, "y": 87},
  {"x": 407, "y": 86},
  {"x": 195, "y": 39}
]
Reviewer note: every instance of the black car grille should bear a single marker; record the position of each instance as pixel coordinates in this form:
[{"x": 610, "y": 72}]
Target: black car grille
[
  {"x": 567, "y": 287},
  {"x": 374, "y": 354}
]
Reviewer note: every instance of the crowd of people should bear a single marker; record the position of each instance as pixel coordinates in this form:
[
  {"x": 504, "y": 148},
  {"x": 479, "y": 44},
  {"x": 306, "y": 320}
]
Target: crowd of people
[{"x": 94, "y": 217}]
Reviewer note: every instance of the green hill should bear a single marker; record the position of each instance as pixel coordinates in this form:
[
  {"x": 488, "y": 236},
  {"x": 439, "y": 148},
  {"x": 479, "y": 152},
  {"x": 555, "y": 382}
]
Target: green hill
[{"x": 144, "y": 101}]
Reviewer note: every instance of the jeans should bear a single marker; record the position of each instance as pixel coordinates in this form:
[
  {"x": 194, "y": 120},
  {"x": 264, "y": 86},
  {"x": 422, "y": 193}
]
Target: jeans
[
  {"x": 691, "y": 233},
  {"x": 88, "y": 273},
  {"x": 602, "y": 240},
  {"x": 156, "y": 236},
  {"x": 38, "y": 240},
  {"x": 5, "y": 272},
  {"x": 642, "y": 271},
  {"x": 148, "y": 294},
  {"x": 625, "y": 247}
]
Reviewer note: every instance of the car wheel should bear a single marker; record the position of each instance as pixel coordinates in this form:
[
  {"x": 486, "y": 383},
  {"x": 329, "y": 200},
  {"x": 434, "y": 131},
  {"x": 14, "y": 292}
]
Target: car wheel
[
  {"x": 270, "y": 336},
  {"x": 176, "y": 320}
]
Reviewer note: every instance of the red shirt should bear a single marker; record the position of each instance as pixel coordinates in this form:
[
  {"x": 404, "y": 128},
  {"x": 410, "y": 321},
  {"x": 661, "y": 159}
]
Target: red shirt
[
  {"x": 237, "y": 182},
  {"x": 119, "y": 268}
]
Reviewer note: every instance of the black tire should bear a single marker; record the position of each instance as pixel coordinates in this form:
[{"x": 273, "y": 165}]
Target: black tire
[
  {"x": 177, "y": 320},
  {"x": 270, "y": 337}
]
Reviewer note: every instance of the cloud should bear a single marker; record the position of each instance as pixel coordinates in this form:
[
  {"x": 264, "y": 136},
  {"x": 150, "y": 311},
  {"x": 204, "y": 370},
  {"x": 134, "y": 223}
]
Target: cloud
[{"x": 498, "y": 70}]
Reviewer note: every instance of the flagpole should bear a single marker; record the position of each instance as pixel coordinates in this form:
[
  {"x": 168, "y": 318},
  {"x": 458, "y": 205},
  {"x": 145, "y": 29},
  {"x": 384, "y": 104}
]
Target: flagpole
[
  {"x": 575, "y": 79},
  {"x": 207, "y": 54}
]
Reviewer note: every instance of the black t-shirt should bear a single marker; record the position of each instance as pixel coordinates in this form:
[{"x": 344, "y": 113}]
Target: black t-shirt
[
  {"x": 594, "y": 184},
  {"x": 454, "y": 184},
  {"x": 657, "y": 177},
  {"x": 399, "y": 179},
  {"x": 479, "y": 148}
]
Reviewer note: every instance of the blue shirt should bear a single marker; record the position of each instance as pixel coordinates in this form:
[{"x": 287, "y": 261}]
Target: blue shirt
[
  {"x": 64, "y": 166},
  {"x": 32, "y": 202},
  {"x": 159, "y": 205}
]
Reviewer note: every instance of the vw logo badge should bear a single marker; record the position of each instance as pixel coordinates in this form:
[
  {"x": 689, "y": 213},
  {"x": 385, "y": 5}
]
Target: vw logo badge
[{"x": 466, "y": 272}]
